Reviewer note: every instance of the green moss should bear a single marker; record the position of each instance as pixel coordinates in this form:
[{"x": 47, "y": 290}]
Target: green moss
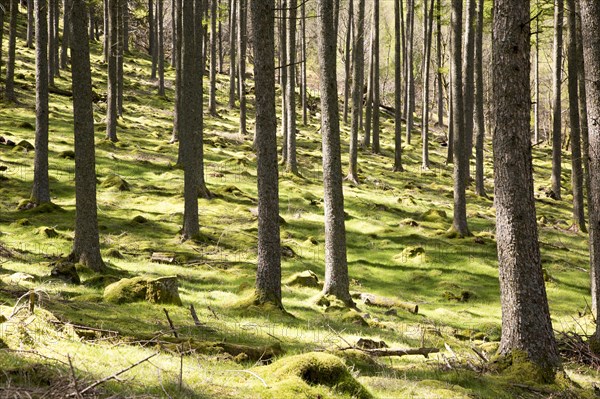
[
  {"x": 315, "y": 369},
  {"x": 307, "y": 278},
  {"x": 516, "y": 366},
  {"x": 91, "y": 298},
  {"x": 434, "y": 215},
  {"x": 116, "y": 182},
  {"x": 154, "y": 290},
  {"x": 47, "y": 232},
  {"x": 68, "y": 154}
]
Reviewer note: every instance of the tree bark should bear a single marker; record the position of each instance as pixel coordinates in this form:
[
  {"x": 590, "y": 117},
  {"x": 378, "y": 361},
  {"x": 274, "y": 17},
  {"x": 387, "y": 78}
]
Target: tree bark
[
  {"x": 469, "y": 86},
  {"x": 410, "y": 76},
  {"x": 212, "y": 91},
  {"x": 232, "y": 51},
  {"x": 86, "y": 244},
  {"x": 349, "y": 57},
  {"x": 357, "y": 89},
  {"x": 161, "y": 48},
  {"x": 268, "y": 274},
  {"x": 336, "y": 265},
  {"x": 369, "y": 99},
  {"x": 152, "y": 38},
  {"x": 41, "y": 186},
  {"x": 12, "y": 45},
  {"x": 30, "y": 24},
  {"x": 64, "y": 56},
  {"x": 304, "y": 66},
  {"x": 439, "y": 63},
  {"x": 397, "y": 90},
  {"x": 555, "y": 180},
  {"x": 242, "y": 42},
  {"x": 526, "y": 325},
  {"x": 112, "y": 81},
  {"x": 479, "y": 111},
  {"x": 376, "y": 87},
  {"x": 283, "y": 76},
  {"x": 428, "y": 25},
  {"x": 120, "y": 56}
]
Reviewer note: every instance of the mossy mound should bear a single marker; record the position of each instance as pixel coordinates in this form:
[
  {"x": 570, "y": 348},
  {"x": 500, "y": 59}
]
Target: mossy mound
[
  {"x": 307, "y": 278},
  {"x": 413, "y": 252},
  {"x": 116, "y": 182},
  {"x": 25, "y": 124},
  {"x": 91, "y": 298},
  {"x": 33, "y": 209},
  {"x": 47, "y": 232},
  {"x": 464, "y": 296},
  {"x": 114, "y": 253},
  {"x": 434, "y": 215},
  {"x": 68, "y": 154},
  {"x": 154, "y": 290},
  {"x": 139, "y": 219},
  {"x": 311, "y": 369},
  {"x": 100, "y": 281},
  {"x": 25, "y": 144},
  {"x": 21, "y": 223},
  {"x": 65, "y": 271},
  {"x": 516, "y": 366}
]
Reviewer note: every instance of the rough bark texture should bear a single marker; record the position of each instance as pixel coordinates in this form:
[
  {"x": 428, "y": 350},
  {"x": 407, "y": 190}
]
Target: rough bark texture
[
  {"x": 348, "y": 62},
  {"x": 304, "y": 66},
  {"x": 161, "y": 48},
  {"x": 336, "y": 265},
  {"x": 51, "y": 42},
  {"x": 41, "y": 186},
  {"x": 232, "y": 51},
  {"x": 268, "y": 274},
  {"x": 12, "y": 45},
  {"x": 283, "y": 75},
  {"x": 397, "y": 90},
  {"x": 64, "y": 56},
  {"x": 526, "y": 325},
  {"x": 212, "y": 91},
  {"x": 112, "y": 90},
  {"x": 428, "y": 25},
  {"x": 590, "y": 18},
  {"x": 575, "y": 125},
  {"x": 439, "y": 58},
  {"x": 242, "y": 42},
  {"x": 120, "y": 55},
  {"x": 152, "y": 38},
  {"x": 86, "y": 245},
  {"x": 469, "y": 84},
  {"x": 177, "y": 100},
  {"x": 290, "y": 90},
  {"x": 459, "y": 224},
  {"x": 376, "y": 90},
  {"x": 410, "y": 75},
  {"x": 556, "y": 100},
  {"x": 479, "y": 112},
  {"x": 30, "y": 23},
  {"x": 357, "y": 89}
]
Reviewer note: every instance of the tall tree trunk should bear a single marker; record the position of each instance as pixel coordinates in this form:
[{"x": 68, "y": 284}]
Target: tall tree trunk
[
  {"x": 177, "y": 100},
  {"x": 2, "y": 4},
  {"x": 376, "y": 87},
  {"x": 369, "y": 100},
  {"x": 91, "y": 22},
  {"x": 349, "y": 57},
  {"x": 232, "y": 51},
  {"x": 357, "y": 89},
  {"x": 173, "y": 33},
  {"x": 459, "y": 223},
  {"x": 199, "y": 16},
  {"x": 583, "y": 114},
  {"x": 590, "y": 18},
  {"x": 410, "y": 77},
  {"x": 112, "y": 81},
  {"x": 51, "y": 42},
  {"x": 290, "y": 91},
  {"x": 450, "y": 153},
  {"x": 151, "y": 34},
  {"x": 220, "y": 39},
  {"x": 479, "y": 112},
  {"x": 125, "y": 26},
  {"x": 120, "y": 56},
  {"x": 526, "y": 325},
  {"x": 556, "y": 100},
  {"x": 536, "y": 77},
  {"x": 428, "y": 25},
  {"x": 304, "y": 66},
  {"x": 283, "y": 76},
  {"x": 212, "y": 91},
  {"x": 439, "y": 64},
  {"x": 12, "y": 45},
  {"x": 41, "y": 185},
  {"x": 161, "y": 48},
  {"x": 397, "y": 89},
  {"x": 64, "y": 57},
  {"x": 30, "y": 24},
  {"x": 242, "y": 41},
  {"x": 105, "y": 42},
  {"x": 56, "y": 54},
  {"x": 268, "y": 273},
  {"x": 575, "y": 126},
  {"x": 86, "y": 244},
  {"x": 469, "y": 85},
  {"x": 336, "y": 265}
]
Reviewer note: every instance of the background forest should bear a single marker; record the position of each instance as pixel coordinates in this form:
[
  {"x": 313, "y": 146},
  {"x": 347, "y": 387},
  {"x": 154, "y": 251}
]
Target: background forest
[{"x": 290, "y": 199}]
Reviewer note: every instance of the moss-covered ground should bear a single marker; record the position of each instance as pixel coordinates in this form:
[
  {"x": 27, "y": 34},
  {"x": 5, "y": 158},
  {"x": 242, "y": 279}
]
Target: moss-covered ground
[{"x": 397, "y": 248}]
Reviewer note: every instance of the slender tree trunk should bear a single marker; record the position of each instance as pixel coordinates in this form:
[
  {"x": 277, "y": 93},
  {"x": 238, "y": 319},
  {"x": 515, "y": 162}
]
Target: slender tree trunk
[
  {"x": 56, "y": 54},
  {"x": 232, "y": 52},
  {"x": 112, "y": 89},
  {"x": 177, "y": 101},
  {"x": 459, "y": 223},
  {"x": 161, "y": 48},
  {"x": 450, "y": 153},
  {"x": 439, "y": 63},
  {"x": 576, "y": 164},
  {"x": 291, "y": 163},
  {"x": 304, "y": 66},
  {"x": 357, "y": 89},
  {"x": 242, "y": 41},
  {"x": 376, "y": 86},
  {"x": 12, "y": 45},
  {"x": 51, "y": 42},
  {"x": 220, "y": 38},
  {"x": 2, "y": 3},
  {"x": 125, "y": 26},
  {"x": 91, "y": 22},
  {"x": 526, "y": 325},
  {"x": 410, "y": 77},
  {"x": 349, "y": 57},
  {"x": 86, "y": 244},
  {"x": 106, "y": 31},
  {"x": 268, "y": 274},
  {"x": 479, "y": 112},
  {"x": 120, "y": 56},
  {"x": 397, "y": 90},
  {"x": 583, "y": 114},
  {"x": 173, "y": 33},
  {"x": 41, "y": 185},
  {"x": 556, "y": 102},
  {"x": 283, "y": 61},
  {"x": 428, "y": 25},
  {"x": 469, "y": 85},
  {"x": 64, "y": 56},
  {"x": 369, "y": 100},
  {"x": 212, "y": 92},
  {"x": 536, "y": 106},
  {"x": 30, "y": 24},
  {"x": 336, "y": 265},
  {"x": 199, "y": 16}
]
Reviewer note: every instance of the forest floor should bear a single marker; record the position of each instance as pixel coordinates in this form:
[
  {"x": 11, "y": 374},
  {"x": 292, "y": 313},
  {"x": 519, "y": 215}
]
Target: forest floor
[{"x": 397, "y": 248}]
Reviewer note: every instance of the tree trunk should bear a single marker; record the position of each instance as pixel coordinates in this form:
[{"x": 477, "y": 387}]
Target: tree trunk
[
  {"x": 268, "y": 274},
  {"x": 439, "y": 63},
  {"x": 30, "y": 24},
  {"x": 41, "y": 186},
  {"x": 590, "y": 18},
  {"x": 357, "y": 89},
  {"x": 173, "y": 33},
  {"x": 304, "y": 66},
  {"x": 428, "y": 25},
  {"x": 536, "y": 107},
  {"x": 220, "y": 38},
  {"x": 459, "y": 223},
  {"x": 397, "y": 90},
  {"x": 575, "y": 126},
  {"x": 12, "y": 45},
  {"x": 161, "y": 48},
  {"x": 112, "y": 89},
  {"x": 348, "y": 60},
  {"x": 106, "y": 31},
  {"x": 56, "y": 53},
  {"x": 526, "y": 324},
  {"x": 290, "y": 92},
  {"x": 86, "y": 244},
  {"x": 152, "y": 38},
  {"x": 2, "y": 3},
  {"x": 212, "y": 91},
  {"x": 120, "y": 56},
  {"x": 242, "y": 42},
  {"x": 479, "y": 112},
  {"x": 468, "y": 86},
  {"x": 410, "y": 77},
  {"x": 369, "y": 99},
  {"x": 126, "y": 26},
  {"x": 64, "y": 57},
  {"x": 232, "y": 51},
  {"x": 177, "y": 100},
  {"x": 376, "y": 87},
  {"x": 336, "y": 265},
  {"x": 199, "y": 16},
  {"x": 283, "y": 76},
  {"x": 556, "y": 100},
  {"x": 91, "y": 21}
]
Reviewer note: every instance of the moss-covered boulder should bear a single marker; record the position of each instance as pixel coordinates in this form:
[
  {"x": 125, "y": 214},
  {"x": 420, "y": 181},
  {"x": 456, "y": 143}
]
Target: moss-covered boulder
[
  {"x": 154, "y": 290},
  {"x": 307, "y": 278},
  {"x": 116, "y": 182},
  {"x": 25, "y": 144},
  {"x": 65, "y": 271},
  {"x": 47, "y": 232},
  {"x": 312, "y": 369},
  {"x": 434, "y": 215}
]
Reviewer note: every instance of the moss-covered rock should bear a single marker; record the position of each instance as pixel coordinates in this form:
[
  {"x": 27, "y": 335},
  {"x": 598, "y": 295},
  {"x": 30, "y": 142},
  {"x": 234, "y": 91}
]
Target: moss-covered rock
[
  {"x": 307, "y": 278},
  {"x": 100, "y": 281},
  {"x": 114, "y": 253},
  {"x": 65, "y": 271},
  {"x": 155, "y": 290},
  {"x": 413, "y": 252},
  {"x": 116, "y": 182},
  {"x": 139, "y": 219},
  {"x": 68, "y": 154},
  {"x": 47, "y": 232},
  {"x": 25, "y": 144},
  {"x": 315, "y": 369},
  {"x": 434, "y": 215},
  {"x": 21, "y": 223}
]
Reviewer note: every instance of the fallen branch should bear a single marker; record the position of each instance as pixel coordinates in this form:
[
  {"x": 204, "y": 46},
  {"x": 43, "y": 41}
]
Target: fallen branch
[
  {"x": 382, "y": 352},
  {"x": 195, "y": 316},
  {"x": 115, "y": 375},
  {"x": 85, "y": 328},
  {"x": 173, "y": 330}
]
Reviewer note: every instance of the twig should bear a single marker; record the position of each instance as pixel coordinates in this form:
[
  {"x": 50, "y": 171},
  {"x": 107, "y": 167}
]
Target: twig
[
  {"x": 73, "y": 377},
  {"x": 173, "y": 330},
  {"x": 115, "y": 375},
  {"x": 480, "y": 354},
  {"x": 195, "y": 316},
  {"x": 249, "y": 372},
  {"x": 213, "y": 312}
]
